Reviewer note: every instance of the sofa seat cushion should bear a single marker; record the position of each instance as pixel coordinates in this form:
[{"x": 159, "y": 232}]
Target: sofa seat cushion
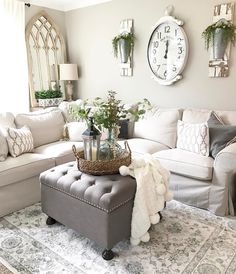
[
  {"x": 61, "y": 151},
  {"x": 25, "y": 166},
  {"x": 138, "y": 145},
  {"x": 186, "y": 163}
]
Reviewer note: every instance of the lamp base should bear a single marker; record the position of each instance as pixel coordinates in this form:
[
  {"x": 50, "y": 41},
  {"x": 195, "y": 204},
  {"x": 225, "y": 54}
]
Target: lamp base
[{"x": 69, "y": 91}]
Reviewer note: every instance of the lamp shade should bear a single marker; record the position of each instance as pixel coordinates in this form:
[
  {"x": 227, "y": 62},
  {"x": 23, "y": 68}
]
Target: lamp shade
[{"x": 68, "y": 72}]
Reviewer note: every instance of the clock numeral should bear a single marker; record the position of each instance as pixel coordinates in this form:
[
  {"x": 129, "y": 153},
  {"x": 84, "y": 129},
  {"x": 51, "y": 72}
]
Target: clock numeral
[
  {"x": 174, "y": 68},
  {"x": 165, "y": 73},
  {"x": 167, "y": 29},
  {"x": 180, "y": 50},
  {"x": 180, "y": 40},
  {"x": 154, "y": 60},
  {"x": 154, "y": 51},
  {"x": 158, "y": 35},
  {"x": 155, "y": 44},
  {"x": 176, "y": 31}
]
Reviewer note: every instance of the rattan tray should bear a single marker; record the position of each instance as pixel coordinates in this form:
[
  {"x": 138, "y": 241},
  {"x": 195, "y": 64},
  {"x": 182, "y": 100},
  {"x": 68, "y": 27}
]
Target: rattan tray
[{"x": 99, "y": 167}]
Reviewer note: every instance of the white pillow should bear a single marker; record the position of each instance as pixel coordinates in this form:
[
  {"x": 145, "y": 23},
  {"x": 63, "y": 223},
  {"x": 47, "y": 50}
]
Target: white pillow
[
  {"x": 75, "y": 130},
  {"x": 160, "y": 126},
  {"x": 19, "y": 141},
  {"x": 193, "y": 137},
  {"x": 3, "y": 148}
]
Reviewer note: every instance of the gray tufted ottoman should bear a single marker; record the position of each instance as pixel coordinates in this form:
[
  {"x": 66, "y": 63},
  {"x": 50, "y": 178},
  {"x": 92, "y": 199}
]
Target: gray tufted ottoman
[{"x": 98, "y": 207}]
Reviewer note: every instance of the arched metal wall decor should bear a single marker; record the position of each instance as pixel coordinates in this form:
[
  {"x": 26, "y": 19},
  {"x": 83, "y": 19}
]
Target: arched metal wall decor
[{"x": 45, "y": 50}]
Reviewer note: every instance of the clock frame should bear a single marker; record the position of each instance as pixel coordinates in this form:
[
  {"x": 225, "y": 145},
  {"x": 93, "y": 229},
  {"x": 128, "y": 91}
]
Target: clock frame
[{"x": 167, "y": 51}]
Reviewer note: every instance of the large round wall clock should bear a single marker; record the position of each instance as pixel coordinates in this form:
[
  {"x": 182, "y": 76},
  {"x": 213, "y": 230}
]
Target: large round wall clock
[{"x": 167, "y": 51}]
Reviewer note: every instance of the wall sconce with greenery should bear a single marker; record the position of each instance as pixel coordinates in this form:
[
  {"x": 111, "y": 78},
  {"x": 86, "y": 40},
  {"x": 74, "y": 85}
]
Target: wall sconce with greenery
[
  {"x": 124, "y": 45},
  {"x": 218, "y": 36}
]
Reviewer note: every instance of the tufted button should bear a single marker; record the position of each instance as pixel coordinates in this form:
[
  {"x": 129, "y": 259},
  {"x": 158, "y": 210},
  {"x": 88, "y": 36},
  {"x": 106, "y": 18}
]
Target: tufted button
[
  {"x": 52, "y": 170},
  {"x": 108, "y": 190}
]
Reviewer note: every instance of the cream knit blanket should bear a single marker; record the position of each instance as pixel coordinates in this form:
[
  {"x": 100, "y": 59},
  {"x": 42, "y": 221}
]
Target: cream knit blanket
[{"x": 151, "y": 193}]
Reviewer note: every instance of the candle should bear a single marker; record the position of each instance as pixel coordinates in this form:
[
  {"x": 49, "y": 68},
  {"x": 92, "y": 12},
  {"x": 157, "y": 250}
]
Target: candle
[{"x": 94, "y": 153}]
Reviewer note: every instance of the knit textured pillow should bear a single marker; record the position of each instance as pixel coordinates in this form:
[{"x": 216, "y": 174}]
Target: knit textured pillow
[
  {"x": 193, "y": 137},
  {"x": 3, "y": 148},
  {"x": 19, "y": 141}
]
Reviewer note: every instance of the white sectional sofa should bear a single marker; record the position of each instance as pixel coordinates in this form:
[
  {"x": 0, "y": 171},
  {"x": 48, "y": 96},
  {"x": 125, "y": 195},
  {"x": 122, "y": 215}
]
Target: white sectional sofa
[
  {"x": 196, "y": 180},
  {"x": 19, "y": 176}
]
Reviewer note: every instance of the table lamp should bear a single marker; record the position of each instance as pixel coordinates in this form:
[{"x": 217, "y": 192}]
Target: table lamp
[{"x": 68, "y": 72}]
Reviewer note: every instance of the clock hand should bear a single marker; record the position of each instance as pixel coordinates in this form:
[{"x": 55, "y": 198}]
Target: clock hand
[{"x": 167, "y": 47}]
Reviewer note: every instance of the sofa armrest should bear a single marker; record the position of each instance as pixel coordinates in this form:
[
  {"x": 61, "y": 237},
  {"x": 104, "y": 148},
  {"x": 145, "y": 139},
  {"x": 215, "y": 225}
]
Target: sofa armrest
[{"x": 226, "y": 158}]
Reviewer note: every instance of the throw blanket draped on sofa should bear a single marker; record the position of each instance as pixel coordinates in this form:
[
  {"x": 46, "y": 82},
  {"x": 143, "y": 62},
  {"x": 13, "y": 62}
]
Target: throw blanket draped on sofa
[{"x": 151, "y": 194}]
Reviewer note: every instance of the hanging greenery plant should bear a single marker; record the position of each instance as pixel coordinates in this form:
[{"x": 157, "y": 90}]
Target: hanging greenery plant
[
  {"x": 228, "y": 33},
  {"x": 128, "y": 37}
]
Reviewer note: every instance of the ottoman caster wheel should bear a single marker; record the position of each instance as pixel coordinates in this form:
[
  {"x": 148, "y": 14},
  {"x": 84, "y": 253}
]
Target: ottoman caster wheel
[
  {"x": 108, "y": 254},
  {"x": 50, "y": 221},
  {"x": 160, "y": 215}
]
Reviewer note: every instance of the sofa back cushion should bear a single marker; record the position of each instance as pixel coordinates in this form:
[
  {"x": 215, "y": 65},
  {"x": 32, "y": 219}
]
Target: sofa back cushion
[
  {"x": 46, "y": 126},
  {"x": 203, "y": 115},
  {"x": 160, "y": 127},
  {"x": 6, "y": 120},
  {"x": 65, "y": 109},
  {"x": 196, "y": 116},
  {"x": 228, "y": 117}
]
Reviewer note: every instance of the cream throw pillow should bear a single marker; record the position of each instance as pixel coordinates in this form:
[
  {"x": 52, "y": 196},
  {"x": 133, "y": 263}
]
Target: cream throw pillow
[
  {"x": 3, "y": 148},
  {"x": 193, "y": 137},
  {"x": 75, "y": 130},
  {"x": 160, "y": 127},
  {"x": 19, "y": 141}
]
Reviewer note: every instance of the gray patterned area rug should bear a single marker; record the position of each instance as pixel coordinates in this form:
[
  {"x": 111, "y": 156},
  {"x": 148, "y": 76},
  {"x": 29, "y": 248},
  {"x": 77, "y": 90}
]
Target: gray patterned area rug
[{"x": 188, "y": 240}]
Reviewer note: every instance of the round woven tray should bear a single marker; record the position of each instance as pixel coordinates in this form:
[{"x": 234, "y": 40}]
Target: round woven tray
[{"x": 99, "y": 167}]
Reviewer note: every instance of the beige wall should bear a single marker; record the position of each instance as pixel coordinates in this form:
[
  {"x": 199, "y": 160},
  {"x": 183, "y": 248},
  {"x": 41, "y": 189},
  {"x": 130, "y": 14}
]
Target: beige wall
[{"x": 89, "y": 34}]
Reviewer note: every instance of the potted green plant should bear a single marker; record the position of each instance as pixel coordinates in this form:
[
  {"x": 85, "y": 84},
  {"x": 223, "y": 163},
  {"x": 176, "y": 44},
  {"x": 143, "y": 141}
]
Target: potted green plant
[
  {"x": 124, "y": 43},
  {"x": 218, "y": 35},
  {"x": 49, "y": 98},
  {"x": 106, "y": 114}
]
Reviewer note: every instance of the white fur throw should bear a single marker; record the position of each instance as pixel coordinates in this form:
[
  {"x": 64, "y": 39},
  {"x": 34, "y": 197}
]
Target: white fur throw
[{"x": 151, "y": 193}]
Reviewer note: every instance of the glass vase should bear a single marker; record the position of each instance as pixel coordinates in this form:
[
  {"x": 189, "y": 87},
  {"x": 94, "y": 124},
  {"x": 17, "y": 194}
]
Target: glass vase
[{"x": 110, "y": 149}]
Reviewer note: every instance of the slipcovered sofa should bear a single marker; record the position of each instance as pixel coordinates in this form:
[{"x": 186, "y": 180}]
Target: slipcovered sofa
[
  {"x": 19, "y": 176},
  {"x": 197, "y": 180}
]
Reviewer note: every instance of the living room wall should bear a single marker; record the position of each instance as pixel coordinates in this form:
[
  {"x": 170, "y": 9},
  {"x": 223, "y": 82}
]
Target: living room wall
[{"x": 90, "y": 31}]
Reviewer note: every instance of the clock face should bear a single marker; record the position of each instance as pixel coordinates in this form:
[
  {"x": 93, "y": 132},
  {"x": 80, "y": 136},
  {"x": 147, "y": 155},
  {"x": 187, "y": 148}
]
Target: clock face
[{"x": 167, "y": 52}]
